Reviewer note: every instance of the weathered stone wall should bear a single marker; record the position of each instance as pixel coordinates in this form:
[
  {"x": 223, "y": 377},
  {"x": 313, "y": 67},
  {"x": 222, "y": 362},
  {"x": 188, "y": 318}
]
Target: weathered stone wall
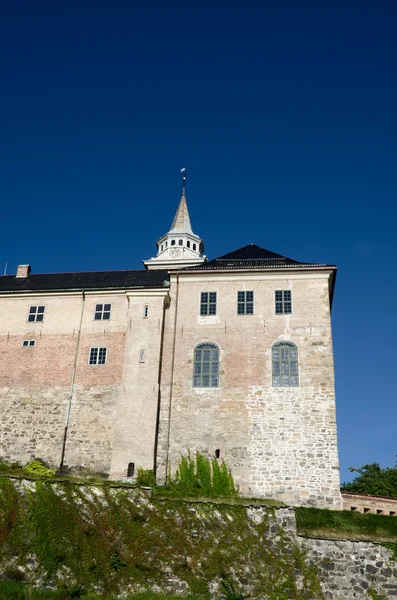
[
  {"x": 135, "y": 414},
  {"x": 279, "y": 442},
  {"x": 113, "y": 408},
  {"x": 369, "y": 504},
  {"x": 33, "y": 422},
  {"x": 347, "y": 569}
]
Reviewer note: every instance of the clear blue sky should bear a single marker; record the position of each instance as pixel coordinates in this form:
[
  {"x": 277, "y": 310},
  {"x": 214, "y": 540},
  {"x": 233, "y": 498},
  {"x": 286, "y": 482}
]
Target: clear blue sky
[{"x": 284, "y": 114}]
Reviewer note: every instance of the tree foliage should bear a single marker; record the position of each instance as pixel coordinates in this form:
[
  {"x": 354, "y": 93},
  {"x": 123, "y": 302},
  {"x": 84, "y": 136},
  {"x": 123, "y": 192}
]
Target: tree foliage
[{"x": 373, "y": 480}]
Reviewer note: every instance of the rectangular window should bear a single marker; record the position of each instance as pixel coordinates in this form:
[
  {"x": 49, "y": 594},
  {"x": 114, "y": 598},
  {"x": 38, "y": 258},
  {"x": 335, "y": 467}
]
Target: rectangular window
[
  {"x": 208, "y": 303},
  {"x": 28, "y": 343},
  {"x": 98, "y": 356},
  {"x": 102, "y": 312},
  {"x": 283, "y": 300},
  {"x": 245, "y": 303},
  {"x": 36, "y": 313}
]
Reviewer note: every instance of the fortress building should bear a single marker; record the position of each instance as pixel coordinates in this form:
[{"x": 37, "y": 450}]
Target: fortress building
[{"x": 124, "y": 369}]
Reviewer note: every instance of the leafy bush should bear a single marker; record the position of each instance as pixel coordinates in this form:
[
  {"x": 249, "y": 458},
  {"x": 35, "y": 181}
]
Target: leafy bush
[
  {"x": 202, "y": 477},
  {"x": 373, "y": 480},
  {"x": 145, "y": 478},
  {"x": 230, "y": 592},
  {"x": 37, "y": 467}
]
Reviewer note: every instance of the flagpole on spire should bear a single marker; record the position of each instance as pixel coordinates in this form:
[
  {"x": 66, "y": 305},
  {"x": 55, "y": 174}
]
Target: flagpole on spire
[{"x": 183, "y": 171}]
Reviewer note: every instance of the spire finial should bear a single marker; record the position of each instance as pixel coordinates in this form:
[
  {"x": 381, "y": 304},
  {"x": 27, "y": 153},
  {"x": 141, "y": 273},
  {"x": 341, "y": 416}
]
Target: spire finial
[{"x": 183, "y": 171}]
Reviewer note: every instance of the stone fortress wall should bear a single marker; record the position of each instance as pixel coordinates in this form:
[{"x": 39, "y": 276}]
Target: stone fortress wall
[
  {"x": 376, "y": 505},
  {"x": 279, "y": 442},
  {"x": 141, "y": 405},
  {"x": 113, "y": 407}
]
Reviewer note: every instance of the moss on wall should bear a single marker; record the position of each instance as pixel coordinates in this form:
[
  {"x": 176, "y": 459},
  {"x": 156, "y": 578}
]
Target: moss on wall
[{"x": 117, "y": 540}]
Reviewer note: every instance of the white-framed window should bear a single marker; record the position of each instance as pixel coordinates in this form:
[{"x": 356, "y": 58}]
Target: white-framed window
[
  {"x": 102, "y": 312},
  {"x": 245, "y": 303},
  {"x": 208, "y": 303},
  {"x": 283, "y": 302},
  {"x": 98, "y": 356},
  {"x": 146, "y": 311},
  {"x": 28, "y": 343},
  {"x": 36, "y": 314}
]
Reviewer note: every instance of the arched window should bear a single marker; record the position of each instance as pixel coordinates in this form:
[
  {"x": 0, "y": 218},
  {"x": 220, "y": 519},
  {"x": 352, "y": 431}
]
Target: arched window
[
  {"x": 142, "y": 356},
  {"x": 180, "y": 242},
  {"x": 206, "y": 365},
  {"x": 146, "y": 311},
  {"x": 172, "y": 242},
  {"x": 285, "y": 364},
  {"x": 194, "y": 246},
  {"x": 188, "y": 244}
]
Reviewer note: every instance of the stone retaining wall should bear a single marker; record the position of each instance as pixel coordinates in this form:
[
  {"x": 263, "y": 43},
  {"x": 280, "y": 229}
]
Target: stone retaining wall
[{"x": 370, "y": 504}]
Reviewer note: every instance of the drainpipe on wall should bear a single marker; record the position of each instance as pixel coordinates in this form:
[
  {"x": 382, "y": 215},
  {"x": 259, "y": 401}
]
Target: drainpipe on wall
[
  {"x": 65, "y": 434},
  {"x": 172, "y": 380}
]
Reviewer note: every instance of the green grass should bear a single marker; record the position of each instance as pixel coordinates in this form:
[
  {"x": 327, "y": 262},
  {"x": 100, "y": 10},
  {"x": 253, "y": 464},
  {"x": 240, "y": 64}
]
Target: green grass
[
  {"x": 73, "y": 479},
  {"x": 18, "y": 590},
  {"x": 317, "y": 522},
  {"x": 164, "y": 494}
]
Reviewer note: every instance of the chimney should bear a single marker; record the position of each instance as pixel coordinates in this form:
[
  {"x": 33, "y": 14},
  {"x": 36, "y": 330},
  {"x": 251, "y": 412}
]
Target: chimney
[{"x": 23, "y": 270}]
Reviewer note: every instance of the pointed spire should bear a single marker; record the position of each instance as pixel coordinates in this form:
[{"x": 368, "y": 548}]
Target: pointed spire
[{"x": 181, "y": 222}]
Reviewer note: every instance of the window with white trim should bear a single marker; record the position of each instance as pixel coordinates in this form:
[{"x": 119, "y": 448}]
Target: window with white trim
[
  {"x": 283, "y": 301},
  {"x": 102, "y": 312},
  {"x": 98, "y": 356},
  {"x": 208, "y": 303},
  {"x": 28, "y": 343},
  {"x": 285, "y": 364},
  {"x": 245, "y": 303},
  {"x": 36, "y": 314},
  {"x": 206, "y": 365},
  {"x": 146, "y": 311}
]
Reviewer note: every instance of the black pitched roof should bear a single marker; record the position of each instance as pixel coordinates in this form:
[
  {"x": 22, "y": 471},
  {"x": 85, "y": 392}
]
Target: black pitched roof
[
  {"x": 252, "y": 257},
  {"x": 100, "y": 280}
]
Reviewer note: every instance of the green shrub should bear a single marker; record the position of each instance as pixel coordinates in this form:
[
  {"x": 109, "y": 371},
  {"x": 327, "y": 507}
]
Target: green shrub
[
  {"x": 229, "y": 591},
  {"x": 145, "y": 478},
  {"x": 202, "y": 477},
  {"x": 37, "y": 467}
]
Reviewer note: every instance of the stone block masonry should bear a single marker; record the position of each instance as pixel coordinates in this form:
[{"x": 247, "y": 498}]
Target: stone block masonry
[
  {"x": 34, "y": 422},
  {"x": 205, "y": 537},
  {"x": 280, "y": 442}
]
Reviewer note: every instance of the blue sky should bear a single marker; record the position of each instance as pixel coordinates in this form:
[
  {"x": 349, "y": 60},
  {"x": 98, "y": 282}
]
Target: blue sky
[{"x": 284, "y": 114}]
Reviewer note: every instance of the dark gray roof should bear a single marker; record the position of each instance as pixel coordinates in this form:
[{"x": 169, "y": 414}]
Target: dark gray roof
[
  {"x": 97, "y": 280},
  {"x": 253, "y": 257}
]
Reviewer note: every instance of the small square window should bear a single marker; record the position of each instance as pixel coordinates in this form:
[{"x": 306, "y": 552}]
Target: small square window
[
  {"x": 28, "y": 343},
  {"x": 245, "y": 303},
  {"x": 98, "y": 356},
  {"x": 36, "y": 314},
  {"x": 102, "y": 312},
  {"x": 208, "y": 303},
  {"x": 283, "y": 302}
]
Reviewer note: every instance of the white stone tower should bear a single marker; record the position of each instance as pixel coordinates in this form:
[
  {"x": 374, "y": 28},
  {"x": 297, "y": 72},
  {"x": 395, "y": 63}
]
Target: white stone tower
[{"x": 180, "y": 247}]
